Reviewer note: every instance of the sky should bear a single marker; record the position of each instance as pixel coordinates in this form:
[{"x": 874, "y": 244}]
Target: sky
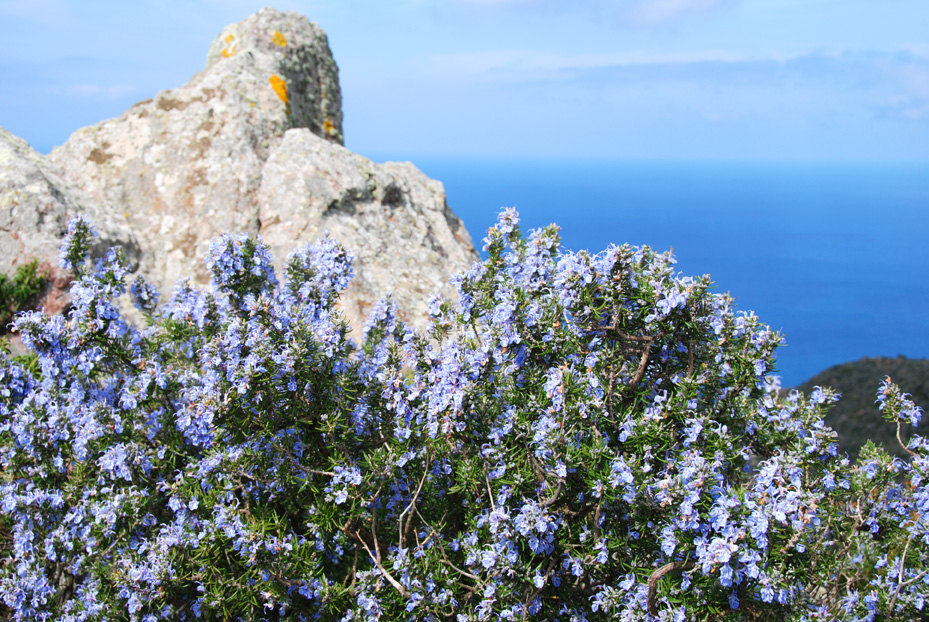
[{"x": 704, "y": 80}]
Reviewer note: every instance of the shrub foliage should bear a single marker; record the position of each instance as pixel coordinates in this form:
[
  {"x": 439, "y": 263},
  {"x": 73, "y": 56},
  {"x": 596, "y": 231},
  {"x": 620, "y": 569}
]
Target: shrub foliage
[
  {"x": 580, "y": 437},
  {"x": 18, "y": 290}
]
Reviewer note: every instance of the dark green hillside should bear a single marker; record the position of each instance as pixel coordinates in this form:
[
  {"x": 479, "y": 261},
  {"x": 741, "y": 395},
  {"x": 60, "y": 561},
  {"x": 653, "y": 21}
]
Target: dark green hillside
[{"x": 856, "y": 417}]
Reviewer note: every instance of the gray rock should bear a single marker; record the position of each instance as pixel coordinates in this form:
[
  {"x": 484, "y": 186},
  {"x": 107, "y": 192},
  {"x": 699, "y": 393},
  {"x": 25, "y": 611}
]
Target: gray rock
[
  {"x": 253, "y": 144},
  {"x": 35, "y": 206},
  {"x": 393, "y": 218}
]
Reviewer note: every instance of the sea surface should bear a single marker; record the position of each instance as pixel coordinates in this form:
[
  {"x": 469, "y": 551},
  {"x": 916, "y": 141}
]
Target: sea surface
[{"x": 833, "y": 256}]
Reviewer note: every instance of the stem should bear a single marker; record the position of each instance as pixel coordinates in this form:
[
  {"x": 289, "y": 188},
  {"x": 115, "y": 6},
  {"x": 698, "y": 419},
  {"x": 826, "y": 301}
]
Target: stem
[
  {"x": 547, "y": 502},
  {"x": 412, "y": 505},
  {"x": 377, "y": 562},
  {"x": 643, "y": 363},
  {"x": 902, "y": 444},
  {"x": 548, "y": 571},
  {"x": 653, "y": 582},
  {"x": 900, "y": 582}
]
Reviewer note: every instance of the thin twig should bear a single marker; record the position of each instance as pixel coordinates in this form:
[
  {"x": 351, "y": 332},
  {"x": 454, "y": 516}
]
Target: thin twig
[
  {"x": 377, "y": 547},
  {"x": 547, "y": 502},
  {"x": 643, "y": 363},
  {"x": 354, "y": 569},
  {"x": 893, "y": 601},
  {"x": 490, "y": 493},
  {"x": 412, "y": 505},
  {"x": 609, "y": 392},
  {"x": 377, "y": 562},
  {"x": 653, "y": 582},
  {"x": 900, "y": 440},
  {"x": 548, "y": 571},
  {"x": 296, "y": 463},
  {"x": 597, "y": 518},
  {"x": 460, "y": 571}
]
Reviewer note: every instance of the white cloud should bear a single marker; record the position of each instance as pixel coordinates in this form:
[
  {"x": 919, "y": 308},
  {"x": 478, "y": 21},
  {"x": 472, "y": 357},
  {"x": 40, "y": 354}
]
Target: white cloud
[
  {"x": 651, "y": 12},
  {"x": 914, "y": 79},
  {"x": 891, "y": 85},
  {"x": 919, "y": 50},
  {"x": 916, "y": 113},
  {"x": 911, "y": 99},
  {"x": 496, "y": 2},
  {"x": 96, "y": 91},
  {"x": 529, "y": 60},
  {"x": 627, "y": 12},
  {"x": 902, "y": 108},
  {"x": 44, "y": 12}
]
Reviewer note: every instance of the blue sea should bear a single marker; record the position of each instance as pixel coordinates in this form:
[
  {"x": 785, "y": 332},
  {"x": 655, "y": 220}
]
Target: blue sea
[{"x": 834, "y": 257}]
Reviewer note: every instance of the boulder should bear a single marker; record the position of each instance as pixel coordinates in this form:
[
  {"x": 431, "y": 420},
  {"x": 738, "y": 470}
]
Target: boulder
[
  {"x": 220, "y": 154},
  {"x": 35, "y": 206}
]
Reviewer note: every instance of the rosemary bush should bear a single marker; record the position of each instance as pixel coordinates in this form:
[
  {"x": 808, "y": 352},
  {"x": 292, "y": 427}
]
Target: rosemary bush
[{"x": 580, "y": 437}]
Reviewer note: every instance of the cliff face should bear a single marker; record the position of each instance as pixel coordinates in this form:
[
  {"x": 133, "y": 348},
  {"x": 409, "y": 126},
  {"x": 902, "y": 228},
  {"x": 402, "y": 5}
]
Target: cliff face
[{"x": 253, "y": 143}]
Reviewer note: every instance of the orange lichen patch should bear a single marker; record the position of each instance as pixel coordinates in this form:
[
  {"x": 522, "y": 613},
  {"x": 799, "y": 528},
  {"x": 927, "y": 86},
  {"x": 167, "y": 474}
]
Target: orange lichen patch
[
  {"x": 278, "y": 38},
  {"x": 228, "y": 52},
  {"x": 280, "y": 87},
  {"x": 229, "y": 37},
  {"x": 329, "y": 126}
]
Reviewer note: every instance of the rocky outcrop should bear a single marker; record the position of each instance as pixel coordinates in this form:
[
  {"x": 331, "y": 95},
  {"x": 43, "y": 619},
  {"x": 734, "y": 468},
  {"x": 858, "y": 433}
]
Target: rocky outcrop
[
  {"x": 35, "y": 206},
  {"x": 253, "y": 143},
  {"x": 186, "y": 165}
]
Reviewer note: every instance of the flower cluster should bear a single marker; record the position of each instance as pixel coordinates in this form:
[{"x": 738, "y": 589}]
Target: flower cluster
[{"x": 581, "y": 437}]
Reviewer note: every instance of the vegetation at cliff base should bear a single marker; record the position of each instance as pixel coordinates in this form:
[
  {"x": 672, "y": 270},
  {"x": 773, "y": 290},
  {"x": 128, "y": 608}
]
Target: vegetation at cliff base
[{"x": 18, "y": 290}]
